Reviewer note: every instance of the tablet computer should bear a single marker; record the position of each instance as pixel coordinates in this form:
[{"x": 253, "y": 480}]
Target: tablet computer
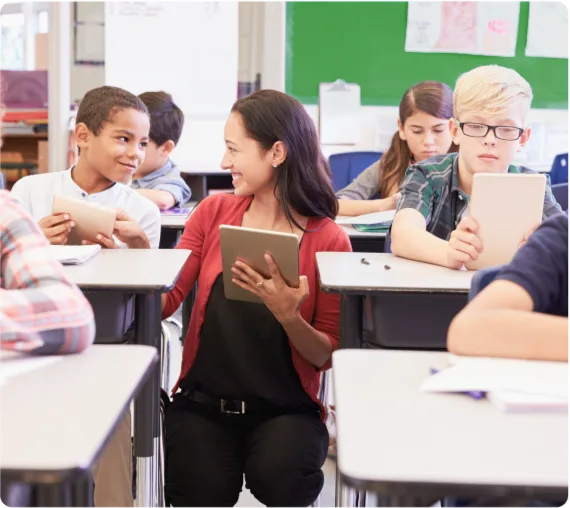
[
  {"x": 506, "y": 207},
  {"x": 250, "y": 246},
  {"x": 90, "y": 218}
]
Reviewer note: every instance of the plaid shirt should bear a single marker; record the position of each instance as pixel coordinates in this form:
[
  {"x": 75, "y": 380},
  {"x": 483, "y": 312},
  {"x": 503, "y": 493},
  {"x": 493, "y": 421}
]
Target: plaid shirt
[
  {"x": 432, "y": 188},
  {"x": 40, "y": 310}
]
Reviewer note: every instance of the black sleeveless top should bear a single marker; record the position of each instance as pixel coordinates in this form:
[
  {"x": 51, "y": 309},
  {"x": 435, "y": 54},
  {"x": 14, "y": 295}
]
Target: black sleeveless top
[{"x": 244, "y": 354}]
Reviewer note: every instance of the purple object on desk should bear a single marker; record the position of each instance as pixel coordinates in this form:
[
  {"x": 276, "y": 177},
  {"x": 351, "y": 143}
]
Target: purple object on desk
[
  {"x": 176, "y": 211},
  {"x": 473, "y": 394}
]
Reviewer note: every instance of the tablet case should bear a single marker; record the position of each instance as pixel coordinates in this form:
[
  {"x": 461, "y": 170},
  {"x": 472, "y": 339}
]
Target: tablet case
[
  {"x": 90, "y": 218},
  {"x": 250, "y": 246},
  {"x": 506, "y": 207}
]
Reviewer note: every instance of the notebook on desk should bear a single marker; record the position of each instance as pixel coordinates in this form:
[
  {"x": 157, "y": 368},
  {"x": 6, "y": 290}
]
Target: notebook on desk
[
  {"x": 512, "y": 385},
  {"x": 377, "y": 222},
  {"x": 74, "y": 254}
]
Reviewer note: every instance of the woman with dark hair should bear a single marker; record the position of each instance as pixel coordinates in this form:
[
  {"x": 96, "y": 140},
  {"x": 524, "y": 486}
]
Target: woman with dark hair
[
  {"x": 246, "y": 400},
  {"x": 423, "y": 131}
]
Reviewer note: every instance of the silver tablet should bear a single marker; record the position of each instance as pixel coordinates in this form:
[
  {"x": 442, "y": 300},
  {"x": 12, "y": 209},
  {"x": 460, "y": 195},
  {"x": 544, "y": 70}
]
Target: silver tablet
[{"x": 250, "y": 246}]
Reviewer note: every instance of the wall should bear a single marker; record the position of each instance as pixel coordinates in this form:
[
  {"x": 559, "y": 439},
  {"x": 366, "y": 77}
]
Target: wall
[{"x": 251, "y": 26}]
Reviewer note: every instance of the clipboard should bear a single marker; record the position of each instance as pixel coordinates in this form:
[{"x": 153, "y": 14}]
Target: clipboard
[{"x": 339, "y": 113}]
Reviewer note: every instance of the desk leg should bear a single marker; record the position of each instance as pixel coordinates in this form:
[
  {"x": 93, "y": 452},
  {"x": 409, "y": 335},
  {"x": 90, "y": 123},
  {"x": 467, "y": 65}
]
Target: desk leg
[
  {"x": 147, "y": 332},
  {"x": 351, "y": 308},
  {"x": 53, "y": 495},
  {"x": 82, "y": 491}
]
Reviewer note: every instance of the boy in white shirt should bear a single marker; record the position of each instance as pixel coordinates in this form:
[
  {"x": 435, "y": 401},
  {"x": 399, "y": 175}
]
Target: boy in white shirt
[{"x": 112, "y": 131}]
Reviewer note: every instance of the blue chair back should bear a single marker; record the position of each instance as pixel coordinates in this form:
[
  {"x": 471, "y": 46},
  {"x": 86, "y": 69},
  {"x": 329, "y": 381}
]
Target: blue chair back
[
  {"x": 1, "y": 180},
  {"x": 345, "y": 167},
  {"x": 559, "y": 171},
  {"x": 482, "y": 279},
  {"x": 560, "y": 192}
]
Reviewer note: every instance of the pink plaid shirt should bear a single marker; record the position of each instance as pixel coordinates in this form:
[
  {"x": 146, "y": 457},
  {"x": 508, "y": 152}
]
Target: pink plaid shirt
[{"x": 41, "y": 311}]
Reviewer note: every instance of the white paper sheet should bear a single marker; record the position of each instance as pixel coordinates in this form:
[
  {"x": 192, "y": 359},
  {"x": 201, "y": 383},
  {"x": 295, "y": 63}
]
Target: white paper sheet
[
  {"x": 74, "y": 254},
  {"x": 497, "y": 374},
  {"x": 474, "y": 28},
  {"x": 547, "y": 30},
  {"x": 339, "y": 111},
  {"x": 369, "y": 218}
]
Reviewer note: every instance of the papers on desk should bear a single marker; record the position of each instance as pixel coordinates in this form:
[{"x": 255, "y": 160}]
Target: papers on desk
[
  {"x": 16, "y": 364},
  {"x": 512, "y": 385},
  {"x": 369, "y": 219},
  {"x": 377, "y": 222},
  {"x": 74, "y": 254}
]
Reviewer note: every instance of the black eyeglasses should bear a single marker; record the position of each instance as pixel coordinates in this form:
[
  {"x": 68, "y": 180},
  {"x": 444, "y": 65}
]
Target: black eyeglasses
[{"x": 480, "y": 130}]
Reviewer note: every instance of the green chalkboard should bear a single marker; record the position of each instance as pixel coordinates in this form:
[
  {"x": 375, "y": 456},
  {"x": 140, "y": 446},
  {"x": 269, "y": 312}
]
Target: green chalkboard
[{"x": 363, "y": 42}]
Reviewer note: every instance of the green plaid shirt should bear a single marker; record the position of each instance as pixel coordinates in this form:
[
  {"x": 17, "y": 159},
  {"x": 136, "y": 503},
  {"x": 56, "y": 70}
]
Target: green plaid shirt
[{"x": 432, "y": 188}]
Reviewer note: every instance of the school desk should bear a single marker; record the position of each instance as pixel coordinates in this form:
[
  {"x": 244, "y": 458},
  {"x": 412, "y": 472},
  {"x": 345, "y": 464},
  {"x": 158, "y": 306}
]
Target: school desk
[
  {"x": 393, "y": 286},
  {"x": 146, "y": 273},
  {"x": 408, "y": 446},
  {"x": 56, "y": 420}
]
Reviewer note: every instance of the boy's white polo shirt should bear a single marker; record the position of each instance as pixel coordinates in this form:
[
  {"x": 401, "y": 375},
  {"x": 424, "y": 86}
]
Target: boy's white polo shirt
[{"x": 36, "y": 194}]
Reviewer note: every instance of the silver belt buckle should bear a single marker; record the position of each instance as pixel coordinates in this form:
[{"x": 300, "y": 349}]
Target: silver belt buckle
[{"x": 230, "y": 412}]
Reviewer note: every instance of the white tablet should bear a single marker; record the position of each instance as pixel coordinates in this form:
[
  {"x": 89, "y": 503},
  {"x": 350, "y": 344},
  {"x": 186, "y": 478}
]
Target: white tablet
[
  {"x": 250, "y": 246},
  {"x": 506, "y": 206},
  {"x": 90, "y": 219}
]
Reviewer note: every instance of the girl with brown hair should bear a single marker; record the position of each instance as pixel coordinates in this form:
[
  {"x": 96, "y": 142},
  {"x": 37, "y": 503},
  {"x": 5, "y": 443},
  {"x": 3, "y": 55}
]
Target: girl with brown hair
[{"x": 423, "y": 131}]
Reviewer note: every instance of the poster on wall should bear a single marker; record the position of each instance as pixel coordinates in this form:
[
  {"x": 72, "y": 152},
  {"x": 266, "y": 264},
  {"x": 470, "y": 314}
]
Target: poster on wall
[
  {"x": 473, "y": 28},
  {"x": 547, "y": 30}
]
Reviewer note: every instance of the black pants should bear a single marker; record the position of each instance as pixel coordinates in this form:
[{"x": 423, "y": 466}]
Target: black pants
[{"x": 208, "y": 454}]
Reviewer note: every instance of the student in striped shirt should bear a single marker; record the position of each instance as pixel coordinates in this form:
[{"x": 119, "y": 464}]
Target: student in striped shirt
[{"x": 41, "y": 311}]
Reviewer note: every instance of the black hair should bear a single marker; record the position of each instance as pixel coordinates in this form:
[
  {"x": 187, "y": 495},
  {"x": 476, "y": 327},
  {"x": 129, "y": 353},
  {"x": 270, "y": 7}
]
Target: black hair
[
  {"x": 303, "y": 182},
  {"x": 166, "y": 118}
]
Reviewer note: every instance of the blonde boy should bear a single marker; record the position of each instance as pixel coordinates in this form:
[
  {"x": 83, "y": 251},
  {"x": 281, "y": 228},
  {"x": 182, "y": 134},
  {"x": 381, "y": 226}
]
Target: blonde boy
[{"x": 491, "y": 106}]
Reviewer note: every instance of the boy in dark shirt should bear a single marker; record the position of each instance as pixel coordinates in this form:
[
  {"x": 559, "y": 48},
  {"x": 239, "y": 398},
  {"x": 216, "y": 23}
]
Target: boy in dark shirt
[{"x": 523, "y": 313}]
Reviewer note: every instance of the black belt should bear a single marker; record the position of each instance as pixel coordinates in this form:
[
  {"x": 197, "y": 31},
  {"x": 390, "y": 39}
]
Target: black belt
[{"x": 226, "y": 406}]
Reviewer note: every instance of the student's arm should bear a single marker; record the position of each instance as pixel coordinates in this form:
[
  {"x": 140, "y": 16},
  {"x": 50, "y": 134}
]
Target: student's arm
[
  {"x": 352, "y": 208},
  {"x": 163, "y": 199},
  {"x": 41, "y": 311},
  {"x": 410, "y": 238},
  {"x": 500, "y": 322},
  {"x": 354, "y": 199},
  {"x": 508, "y": 318},
  {"x": 192, "y": 239}
]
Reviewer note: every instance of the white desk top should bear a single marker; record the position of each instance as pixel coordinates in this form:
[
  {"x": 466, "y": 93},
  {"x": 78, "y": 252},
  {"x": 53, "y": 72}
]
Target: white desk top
[
  {"x": 130, "y": 269},
  {"x": 390, "y": 432},
  {"x": 177, "y": 221},
  {"x": 344, "y": 272},
  {"x": 58, "y": 417}
]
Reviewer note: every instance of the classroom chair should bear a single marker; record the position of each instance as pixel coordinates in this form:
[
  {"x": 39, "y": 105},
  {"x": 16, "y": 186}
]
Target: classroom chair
[
  {"x": 559, "y": 170},
  {"x": 560, "y": 191},
  {"x": 345, "y": 167}
]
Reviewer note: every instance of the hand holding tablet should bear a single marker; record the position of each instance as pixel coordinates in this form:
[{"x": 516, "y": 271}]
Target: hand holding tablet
[{"x": 89, "y": 219}]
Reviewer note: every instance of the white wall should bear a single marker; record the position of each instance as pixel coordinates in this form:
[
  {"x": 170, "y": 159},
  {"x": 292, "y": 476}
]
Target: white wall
[{"x": 251, "y": 25}]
